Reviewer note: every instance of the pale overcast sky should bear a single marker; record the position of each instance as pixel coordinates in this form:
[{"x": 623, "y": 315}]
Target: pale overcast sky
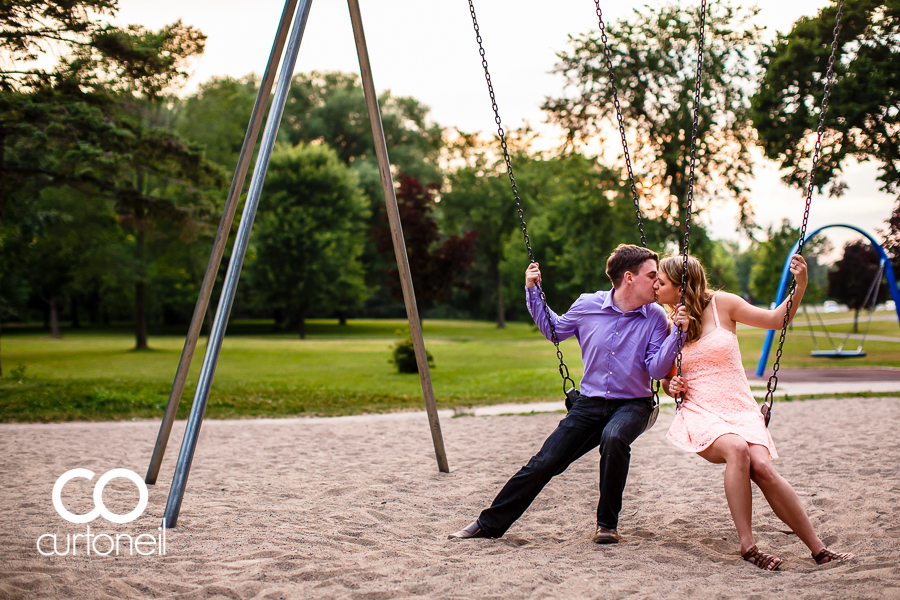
[{"x": 426, "y": 49}]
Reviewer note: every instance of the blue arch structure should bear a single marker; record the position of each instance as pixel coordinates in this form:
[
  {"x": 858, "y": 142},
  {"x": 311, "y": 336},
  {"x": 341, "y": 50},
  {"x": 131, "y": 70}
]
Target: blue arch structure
[{"x": 786, "y": 274}]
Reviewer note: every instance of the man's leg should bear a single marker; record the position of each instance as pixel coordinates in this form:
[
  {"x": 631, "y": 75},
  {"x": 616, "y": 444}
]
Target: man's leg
[
  {"x": 625, "y": 425},
  {"x": 564, "y": 446}
]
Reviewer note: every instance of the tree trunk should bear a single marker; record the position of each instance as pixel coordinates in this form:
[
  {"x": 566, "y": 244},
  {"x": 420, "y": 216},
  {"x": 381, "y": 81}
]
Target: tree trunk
[
  {"x": 501, "y": 318},
  {"x": 342, "y": 317},
  {"x": 73, "y": 306},
  {"x": 140, "y": 286},
  {"x": 54, "y": 319},
  {"x": 140, "y": 316},
  {"x": 302, "y": 319},
  {"x": 856, "y": 321},
  {"x": 2, "y": 170}
]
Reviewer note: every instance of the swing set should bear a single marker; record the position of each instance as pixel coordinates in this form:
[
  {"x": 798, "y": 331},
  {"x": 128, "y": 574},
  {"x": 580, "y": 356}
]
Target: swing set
[
  {"x": 837, "y": 350},
  {"x": 287, "y": 44}
]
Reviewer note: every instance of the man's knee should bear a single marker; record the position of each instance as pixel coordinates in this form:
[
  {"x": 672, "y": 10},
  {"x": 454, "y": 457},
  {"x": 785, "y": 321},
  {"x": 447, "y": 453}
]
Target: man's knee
[
  {"x": 545, "y": 466},
  {"x": 615, "y": 441}
]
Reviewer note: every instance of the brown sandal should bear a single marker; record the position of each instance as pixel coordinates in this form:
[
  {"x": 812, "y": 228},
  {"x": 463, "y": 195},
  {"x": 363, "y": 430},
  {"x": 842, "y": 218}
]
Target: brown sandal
[
  {"x": 764, "y": 561},
  {"x": 827, "y": 556}
]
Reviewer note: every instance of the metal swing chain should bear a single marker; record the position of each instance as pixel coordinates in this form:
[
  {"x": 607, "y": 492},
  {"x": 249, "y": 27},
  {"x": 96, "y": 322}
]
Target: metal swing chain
[
  {"x": 687, "y": 230},
  {"x": 612, "y": 82},
  {"x": 568, "y": 382},
  {"x": 679, "y": 398},
  {"x": 772, "y": 385}
]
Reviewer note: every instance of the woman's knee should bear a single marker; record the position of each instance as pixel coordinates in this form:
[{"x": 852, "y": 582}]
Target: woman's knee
[
  {"x": 737, "y": 453},
  {"x": 762, "y": 471}
]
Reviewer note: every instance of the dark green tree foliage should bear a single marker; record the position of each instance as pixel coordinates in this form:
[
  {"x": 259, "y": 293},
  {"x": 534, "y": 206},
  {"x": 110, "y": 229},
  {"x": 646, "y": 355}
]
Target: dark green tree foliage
[
  {"x": 580, "y": 213},
  {"x": 97, "y": 123},
  {"x": 437, "y": 262},
  {"x": 654, "y": 59},
  {"x": 216, "y": 117},
  {"x": 770, "y": 256},
  {"x": 864, "y": 106},
  {"x": 479, "y": 200},
  {"x": 308, "y": 237},
  {"x": 852, "y": 276},
  {"x": 330, "y": 108}
]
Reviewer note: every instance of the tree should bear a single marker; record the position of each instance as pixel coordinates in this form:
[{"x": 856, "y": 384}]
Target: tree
[
  {"x": 330, "y": 108},
  {"x": 97, "y": 122},
  {"x": 851, "y": 278},
  {"x": 863, "y": 110},
  {"x": 654, "y": 59},
  {"x": 479, "y": 200},
  {"x": 436, "y": 262},
  {"x": 310, "y": 233},
  {"x": 216, "y": 117},
  {"x": 771, "y": 254}
]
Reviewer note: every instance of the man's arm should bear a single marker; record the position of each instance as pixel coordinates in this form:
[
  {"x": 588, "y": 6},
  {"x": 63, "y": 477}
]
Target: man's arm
[
  {"x": 661, "y": 348},
  {"x": 565, "y": 325}
]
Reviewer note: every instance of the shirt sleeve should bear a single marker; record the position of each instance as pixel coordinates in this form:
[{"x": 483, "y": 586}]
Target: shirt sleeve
[
  {"x": 565, "y": 325},
  {"x": 662, "y": 349}
]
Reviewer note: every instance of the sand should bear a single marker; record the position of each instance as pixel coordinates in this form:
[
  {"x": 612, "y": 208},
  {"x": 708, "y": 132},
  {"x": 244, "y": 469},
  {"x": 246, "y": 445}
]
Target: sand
[{"x": 355, "y": 508}]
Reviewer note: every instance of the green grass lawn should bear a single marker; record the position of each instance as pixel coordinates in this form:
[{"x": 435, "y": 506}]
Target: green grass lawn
[{"x": 337, "y": 370}]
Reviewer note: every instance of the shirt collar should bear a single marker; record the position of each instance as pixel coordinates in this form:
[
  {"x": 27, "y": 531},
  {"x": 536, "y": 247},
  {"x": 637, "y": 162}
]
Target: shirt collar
[{"x": 608, "y": 303}]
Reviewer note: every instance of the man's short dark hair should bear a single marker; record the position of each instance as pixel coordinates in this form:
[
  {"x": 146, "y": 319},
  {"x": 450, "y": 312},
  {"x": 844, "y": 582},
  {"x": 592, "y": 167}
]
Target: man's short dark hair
[{"x": 627, "y": 258}]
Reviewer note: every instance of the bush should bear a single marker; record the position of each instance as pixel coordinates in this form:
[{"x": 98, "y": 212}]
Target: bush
[{"x": 405, "y": 357}]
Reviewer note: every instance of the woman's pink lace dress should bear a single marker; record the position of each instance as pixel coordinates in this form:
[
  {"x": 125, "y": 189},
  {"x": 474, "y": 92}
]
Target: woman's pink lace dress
[{"x": 718, "y": 399}]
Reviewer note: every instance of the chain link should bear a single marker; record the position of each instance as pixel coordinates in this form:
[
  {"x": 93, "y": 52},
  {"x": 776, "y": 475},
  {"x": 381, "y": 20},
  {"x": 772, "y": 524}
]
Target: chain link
[
  {"x": 772, "y": 384},
  {"x": 563, "y": 369}
]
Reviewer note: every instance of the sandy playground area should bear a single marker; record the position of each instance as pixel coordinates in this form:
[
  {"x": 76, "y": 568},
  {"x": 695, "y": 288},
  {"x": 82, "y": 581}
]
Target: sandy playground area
[{"x": 354, "y": 507}]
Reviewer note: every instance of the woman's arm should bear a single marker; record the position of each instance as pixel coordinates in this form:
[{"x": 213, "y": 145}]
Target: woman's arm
[
  {"x": 667, "y": 380},
  {"x": 740, "y": 311}
]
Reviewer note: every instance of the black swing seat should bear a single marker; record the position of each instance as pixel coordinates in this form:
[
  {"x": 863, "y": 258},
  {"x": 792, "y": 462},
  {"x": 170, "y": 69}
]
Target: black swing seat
[{"x": 858, "y": 353}]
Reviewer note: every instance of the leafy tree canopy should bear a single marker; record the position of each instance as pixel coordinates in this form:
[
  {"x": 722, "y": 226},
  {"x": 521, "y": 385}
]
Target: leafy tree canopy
[
  {"x": 309, "y": 235},
  {"x": 654, "y": 60},
  {"x": 864, "y": 107}
]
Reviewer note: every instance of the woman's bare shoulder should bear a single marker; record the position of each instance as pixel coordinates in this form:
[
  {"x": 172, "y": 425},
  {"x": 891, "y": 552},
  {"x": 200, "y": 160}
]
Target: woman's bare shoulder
[{"x": 727, "y": 299}]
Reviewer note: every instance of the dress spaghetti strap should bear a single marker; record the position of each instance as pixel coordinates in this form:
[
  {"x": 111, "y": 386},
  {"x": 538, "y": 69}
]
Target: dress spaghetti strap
[{"x": 715, "y": 310}]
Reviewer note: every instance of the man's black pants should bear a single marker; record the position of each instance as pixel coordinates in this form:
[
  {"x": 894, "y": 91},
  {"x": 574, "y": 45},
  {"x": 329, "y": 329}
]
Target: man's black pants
[{"x": 611, "y": 424}]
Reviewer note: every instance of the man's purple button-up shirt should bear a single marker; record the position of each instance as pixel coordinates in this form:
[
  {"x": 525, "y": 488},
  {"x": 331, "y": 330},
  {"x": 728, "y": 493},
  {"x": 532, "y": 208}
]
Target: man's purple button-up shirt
[{"x": 621, "y": 351}]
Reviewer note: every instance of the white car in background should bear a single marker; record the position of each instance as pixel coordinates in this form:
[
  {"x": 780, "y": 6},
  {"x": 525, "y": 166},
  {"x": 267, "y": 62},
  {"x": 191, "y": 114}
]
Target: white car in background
[{"x": 830, "y": 306}]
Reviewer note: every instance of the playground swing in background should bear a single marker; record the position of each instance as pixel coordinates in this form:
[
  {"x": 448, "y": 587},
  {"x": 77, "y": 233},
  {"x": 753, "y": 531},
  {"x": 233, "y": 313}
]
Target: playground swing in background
[{"x": 837, "y": 350}]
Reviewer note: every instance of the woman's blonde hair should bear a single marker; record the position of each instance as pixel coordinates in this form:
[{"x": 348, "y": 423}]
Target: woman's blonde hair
[{"x": 696, "y": 294}]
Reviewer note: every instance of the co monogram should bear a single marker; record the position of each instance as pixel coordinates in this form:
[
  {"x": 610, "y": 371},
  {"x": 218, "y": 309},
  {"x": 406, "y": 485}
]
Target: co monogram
[{"x": 99, "y": 508}]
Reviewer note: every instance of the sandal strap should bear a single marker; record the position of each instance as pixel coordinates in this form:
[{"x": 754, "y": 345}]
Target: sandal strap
[
  {"x": 761, "y": 559},
  {"x": 826, "y": 556}
]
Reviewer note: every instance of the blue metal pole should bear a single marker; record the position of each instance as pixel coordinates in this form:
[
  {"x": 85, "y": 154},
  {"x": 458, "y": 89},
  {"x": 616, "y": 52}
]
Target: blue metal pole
[{"x": 214, "y": 346}]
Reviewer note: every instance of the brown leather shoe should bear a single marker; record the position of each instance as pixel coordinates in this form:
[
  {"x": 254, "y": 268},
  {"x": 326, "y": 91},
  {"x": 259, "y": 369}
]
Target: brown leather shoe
[
  {"x": 472, "y": 531},
  {"x": 605, "y": 535}
]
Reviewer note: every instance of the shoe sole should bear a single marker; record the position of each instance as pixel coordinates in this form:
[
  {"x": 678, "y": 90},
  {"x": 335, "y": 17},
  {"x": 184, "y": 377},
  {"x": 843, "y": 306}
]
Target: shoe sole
[{"x": 605, "y": 540}]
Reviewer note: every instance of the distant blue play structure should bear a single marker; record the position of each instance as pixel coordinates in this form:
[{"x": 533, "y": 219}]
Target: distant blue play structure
[{"x": 786, "y": 274}]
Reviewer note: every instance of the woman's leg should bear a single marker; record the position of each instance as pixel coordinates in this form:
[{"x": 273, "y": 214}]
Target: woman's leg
[
  {"x": 735, "y": 453},
  {"x": 782, "y": 498}
]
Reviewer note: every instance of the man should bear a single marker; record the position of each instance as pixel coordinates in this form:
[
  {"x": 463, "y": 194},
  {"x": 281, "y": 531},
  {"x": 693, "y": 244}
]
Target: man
[{"x": 624, "y": 342}]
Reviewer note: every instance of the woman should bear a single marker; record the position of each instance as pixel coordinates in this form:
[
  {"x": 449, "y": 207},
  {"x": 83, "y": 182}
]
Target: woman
[{"x": 720, "y": 419}]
